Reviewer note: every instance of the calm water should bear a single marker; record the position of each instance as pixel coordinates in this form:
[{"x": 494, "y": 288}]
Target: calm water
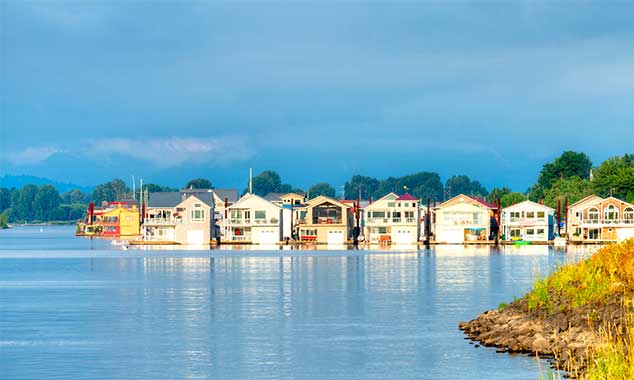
[{"x": 79, "y": 309}]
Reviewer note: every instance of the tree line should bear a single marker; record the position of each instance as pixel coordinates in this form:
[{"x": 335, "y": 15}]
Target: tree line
[{"x": 570, "y": 175}]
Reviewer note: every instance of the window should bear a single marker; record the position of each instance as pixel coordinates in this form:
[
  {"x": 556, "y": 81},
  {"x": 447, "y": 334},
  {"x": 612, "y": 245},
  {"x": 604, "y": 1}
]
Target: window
[
  {"x": 540, "y": 233},
  {"x": 236, "y": 214},
  {"x": 378, "y": 214},
  {"x": 260, "y": 214},
  {"x": 530, "y": 214},
  {"x": 197, "y": 214},
  {"x": 611, "y": 214},
  {"x": 515, "y": 216},
  {"x": 530, "y": 232},
  {"x": 391, "y": 204},
  {"x": 541, "y": 214},
  {"x": 382, "y": 230},
  {"x": 593, "y": 234},
  {"x": 515, "y": 233},
  {"x": 628, "y": 215},
  {"x": 593, "y": 215}
]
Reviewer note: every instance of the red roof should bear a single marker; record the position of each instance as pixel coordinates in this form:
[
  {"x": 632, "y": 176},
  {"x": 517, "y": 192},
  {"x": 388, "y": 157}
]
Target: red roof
[
  {"x": 407, "y": 197},
  {"x": 490, "y": 205}
]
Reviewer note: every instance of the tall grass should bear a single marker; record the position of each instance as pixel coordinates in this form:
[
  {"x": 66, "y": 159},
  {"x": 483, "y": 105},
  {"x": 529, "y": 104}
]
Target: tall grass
[{"x": 612, "y": 358}]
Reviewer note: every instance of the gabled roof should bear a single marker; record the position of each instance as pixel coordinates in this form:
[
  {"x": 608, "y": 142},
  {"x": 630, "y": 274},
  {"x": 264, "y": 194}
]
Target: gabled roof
[
  {"x": 407, "y": 197},
  {"x": 273, "y": 197},
  {"x": 230, "y": 194},
  {"x": 323, "y": 199},
  {"x": 467, "y": 199},
  {"x": 589, "y": 198},
  {"x": 531, "y": 204},
  {"x": 170, "y": 199},
  {"x": 248, "y": 197}
]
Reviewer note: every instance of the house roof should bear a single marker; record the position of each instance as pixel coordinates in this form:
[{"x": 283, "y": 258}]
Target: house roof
[
  {"x": 248, "y": 197},
  {"x": 529, "y": 203},
  {"x": 322, "y": 199},
  {"x": 230, "y": 194},
  {"x": 589, "y": 198},
  {"x": 468, "y": 199},
  {"x": 273, "y": 197},
  {"x": 174, "y": 198},
  {"x": 407, "y": 197}
]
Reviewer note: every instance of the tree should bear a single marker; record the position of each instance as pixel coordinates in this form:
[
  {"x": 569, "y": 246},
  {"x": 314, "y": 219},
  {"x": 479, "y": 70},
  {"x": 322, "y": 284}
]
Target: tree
[
  {"x": 321, "y": 188},
  {"x": 498, "y": 193},
  {"x": 114, "y": 190},
  {"x": 199, "y": 183},
  {"x": 358, "y": 184},
  {"x": 75, "y": 196},
  {"x": 614, "y": 177},
  {"x": 569, "y": 164},
  {"x": 24, "y": 203},
  {"x": 46, "y": 203},
  {"x": 512, "y": 198},
  {"x": 574, "y": 188},
  {"x": 5, "y": 199},
  {"x": 461, "y": 184},
  {"x": 4, "y": 221}
]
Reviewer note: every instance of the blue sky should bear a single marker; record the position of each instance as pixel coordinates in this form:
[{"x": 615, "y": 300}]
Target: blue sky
[{"x": 318, "y": 91}]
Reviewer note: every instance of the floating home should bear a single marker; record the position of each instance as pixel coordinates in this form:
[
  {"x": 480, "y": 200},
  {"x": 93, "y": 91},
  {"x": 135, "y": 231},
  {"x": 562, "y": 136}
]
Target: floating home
[
  {"x": 324, "y": 220},
  {"x": 393, "y": 219},
  {"x": 527, "y": 221},
  {"x": 464, "y": 219},
  {"x": 254, "y": 220},
  {"x": 594, "y": 220}
]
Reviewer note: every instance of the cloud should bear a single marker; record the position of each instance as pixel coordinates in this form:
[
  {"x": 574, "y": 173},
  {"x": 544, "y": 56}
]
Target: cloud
[
  {"x": 30, "y": 155},
  {"x": 173, "y": 151}
]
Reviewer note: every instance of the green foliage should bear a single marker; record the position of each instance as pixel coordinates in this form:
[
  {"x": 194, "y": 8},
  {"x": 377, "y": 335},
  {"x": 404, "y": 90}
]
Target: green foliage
[
  {"x": 75, "y": 196},
  {"x": 574, "y": 188},
  {"x": 199, "y": 183},
  {"x": 461, "y": 184},
  {"x": 615, "y": 176},
  {"x": 5, "y": 199},
  {"x": 422, "y": 185},
  {"x": 497, "y": 193},
  {"x": 592, "y": 281},
  {"x": 511, "y": 199},
  {"x": 321, "y": 188},
  {"x": 114, "y": 190},
  {"x": 4, "y": 221},
  {"x": 270, "y": 182},
  {"x": 46, "y": 203},
  {"x": 361, "y": 185},
  {"x": 569, "y": 164},
  {"x": 23, "y": 205}
]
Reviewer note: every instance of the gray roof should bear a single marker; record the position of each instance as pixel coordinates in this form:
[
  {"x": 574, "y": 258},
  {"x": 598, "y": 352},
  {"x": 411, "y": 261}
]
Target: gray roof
[
  {"x": 230, "y": 194},
  {"x": 173, "y": 198},
  {"x": 274, "y": 197}
]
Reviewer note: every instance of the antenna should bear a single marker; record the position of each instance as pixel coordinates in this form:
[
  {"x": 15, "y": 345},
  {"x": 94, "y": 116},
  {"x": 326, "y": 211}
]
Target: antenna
[
  {"x": 133, "y": 189},
  {"x": 250, "y": 180}
]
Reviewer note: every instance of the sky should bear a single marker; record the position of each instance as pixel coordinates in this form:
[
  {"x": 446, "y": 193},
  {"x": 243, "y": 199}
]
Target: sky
[{"x": 316, "y": 90}]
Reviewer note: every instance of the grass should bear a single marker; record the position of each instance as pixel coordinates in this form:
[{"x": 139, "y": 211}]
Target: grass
[
  {"x": 603, "y": 278},
  {"x": 612, "y": 357},
  {"x": 593, "y": 281}
]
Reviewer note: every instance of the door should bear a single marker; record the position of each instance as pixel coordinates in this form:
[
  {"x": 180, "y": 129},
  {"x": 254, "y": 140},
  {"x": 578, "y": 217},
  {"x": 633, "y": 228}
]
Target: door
[
  {"x": 267, "y": 237},
  {"x": 451, "y": 236},
  {"x": 335, "y": 237},
  {"x": 195, "y": 237},
  {"x": 404, "y": 237}
]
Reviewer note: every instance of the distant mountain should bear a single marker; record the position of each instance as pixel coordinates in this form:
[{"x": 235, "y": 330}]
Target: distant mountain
[{"x": 18, "y": 181}]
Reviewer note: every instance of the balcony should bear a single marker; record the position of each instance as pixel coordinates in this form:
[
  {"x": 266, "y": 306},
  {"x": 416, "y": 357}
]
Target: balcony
[
  {"x": 326, "y": 220},
  {"x": 608, "y": 222},
  {"x": 159, "y": 221},
  {"x": 238, "y": 222}
]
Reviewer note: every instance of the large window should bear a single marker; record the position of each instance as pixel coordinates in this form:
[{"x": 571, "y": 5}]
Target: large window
[
  {"x": 611, "y": 214},
  {"x": 260, "y": 214},
  {"x": 515, "y": 216},
  {"x": 198, "y": 213},
  {"x": 628, "y": 215},
  {"x": 593, "y": 215}
]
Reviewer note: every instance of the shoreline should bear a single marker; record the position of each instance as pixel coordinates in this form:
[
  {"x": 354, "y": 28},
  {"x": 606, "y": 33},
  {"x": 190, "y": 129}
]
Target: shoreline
[{"x": 567, "y": 315}]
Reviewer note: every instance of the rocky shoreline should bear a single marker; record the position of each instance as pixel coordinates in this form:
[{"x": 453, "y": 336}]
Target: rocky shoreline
[{"x": 564, "y": 336}]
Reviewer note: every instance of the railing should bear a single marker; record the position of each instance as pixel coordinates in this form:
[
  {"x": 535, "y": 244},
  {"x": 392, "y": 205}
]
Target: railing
[
  {"x": 322, "y": 220},
  {"x": 527, "y": 220},
  {"x": 239, "y": 222},
  {"x": 160, "y": 221},
  {"x": 241, "y": 238},
  {"x": 607, "y": 221},
  {"x": 371, "y": 221}
]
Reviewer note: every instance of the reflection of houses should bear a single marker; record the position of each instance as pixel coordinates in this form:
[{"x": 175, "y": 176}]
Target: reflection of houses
[
  {"x": 462, "y": 219},
  {"x": 324, "y": 220},
  {"x": 528, "y": 221},
  {"x": 114, "y": 219},
  {"x": 392, "y": 219},
  {"x": 183, "y": 217},
  {"x": 254, "y": 220},
  {"x": 595, "y": 219}
]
